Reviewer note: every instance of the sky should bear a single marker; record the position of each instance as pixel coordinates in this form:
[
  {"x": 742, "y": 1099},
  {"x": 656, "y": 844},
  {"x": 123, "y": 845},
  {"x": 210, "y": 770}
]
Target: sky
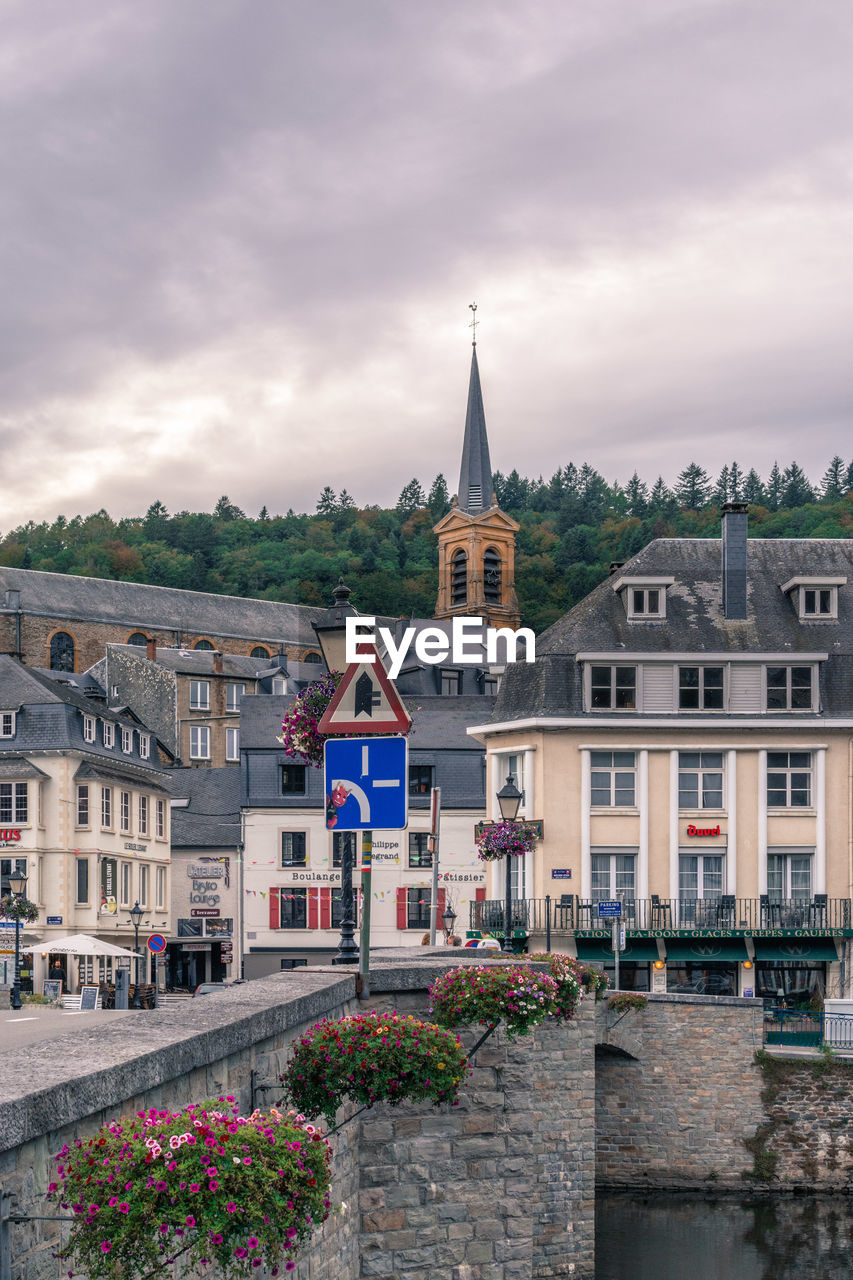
[{"x": 240, "y": 240}]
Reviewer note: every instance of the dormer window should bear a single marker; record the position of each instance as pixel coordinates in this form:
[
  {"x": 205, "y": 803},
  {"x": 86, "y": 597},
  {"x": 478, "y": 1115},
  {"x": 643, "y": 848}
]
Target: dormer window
[
  {"x": 108, "y": 731},
  {"x": 7, "y": 724},
  {"x": 644, "y": 598},
  {"x": 815, "y": 599}
]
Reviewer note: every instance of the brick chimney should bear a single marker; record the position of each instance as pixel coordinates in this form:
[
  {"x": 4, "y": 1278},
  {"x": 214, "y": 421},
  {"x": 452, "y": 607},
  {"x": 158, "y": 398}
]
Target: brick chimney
[
  {"x": 217, "y": 662},
  {"x": 151, "y": 650},
  {"x": 735, "y": 522}
]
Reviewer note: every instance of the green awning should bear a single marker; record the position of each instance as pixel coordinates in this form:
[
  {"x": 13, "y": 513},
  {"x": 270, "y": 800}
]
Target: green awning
[
  {"x": 637, "y": 951},
  {"x": 806, "y": 950},
  {"x": 705, "y": 950}
]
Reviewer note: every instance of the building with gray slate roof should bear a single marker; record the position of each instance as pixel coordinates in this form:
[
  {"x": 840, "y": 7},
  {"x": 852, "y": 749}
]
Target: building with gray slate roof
[{"x": 685, "y": 734}]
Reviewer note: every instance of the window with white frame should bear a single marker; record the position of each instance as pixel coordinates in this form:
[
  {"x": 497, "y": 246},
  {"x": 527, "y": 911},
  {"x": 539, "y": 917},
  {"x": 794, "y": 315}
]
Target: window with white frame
[
  {"x": 294, "y": 852},
  {"x": 14, "y": 803},
  {"x": 144, "y": 745},
  {"x": 106, "y": 807},
  {"x": 124, "y": 811},
  {"x": 142, "y": 896},
  {"x": 7, "y": 724},
  {"x": 646, "y": 603},
  {"x": 613, "y": 688},
  {"x": 127, "y": 741},
  {"x": 613, "y": 876},
  {"x": 612, "y": 779},
  {"x": 161, "y": 819},
  {"x": 82, "y": 880},
  {"x": 88, "y": 728},
  {"x": 233, "y": 696},
  {"x": 232, "y": 744},
  {"x": 700, "y": 688},
  {"x": 143, "y": 815},
  {"x": 199, "y": 742},
  {"x": 507, "y": 766},
  {"x": 789, "y": 875},
  {"x": 108, "y": 733},
  {"x": 700, "y": 876},
  {"x": 789, "y": 688},
  {"x": 83, "y": 805},
  {"x": 700, "y": 779},
  {"x": 199, "y": 695},
  {"x": 124, "y": 884},
  {"x": 818, "y": 602},
  {"x": 789, "y": 779},
  {"x": 160, "y": 889},
  {"x": 279, "y": 684}
]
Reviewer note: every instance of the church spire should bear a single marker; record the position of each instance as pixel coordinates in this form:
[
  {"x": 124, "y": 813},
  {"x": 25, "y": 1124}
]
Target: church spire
[{"x": 475, "y": 492}]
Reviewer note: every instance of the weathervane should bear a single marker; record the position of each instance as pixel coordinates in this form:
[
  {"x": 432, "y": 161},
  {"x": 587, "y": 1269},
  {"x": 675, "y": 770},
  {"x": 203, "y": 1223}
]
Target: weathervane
[{"x": 472, "y": 307}]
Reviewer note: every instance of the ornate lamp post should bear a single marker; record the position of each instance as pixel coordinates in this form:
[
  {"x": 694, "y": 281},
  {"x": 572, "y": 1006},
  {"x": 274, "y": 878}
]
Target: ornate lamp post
[
  {"x": 448, "y": 921},
  {"x": 509, "y": 799},
  {"x": 136, "y": 914},
  {"x": 17, "y": 887},
  {"x": 331, "y": 637}
]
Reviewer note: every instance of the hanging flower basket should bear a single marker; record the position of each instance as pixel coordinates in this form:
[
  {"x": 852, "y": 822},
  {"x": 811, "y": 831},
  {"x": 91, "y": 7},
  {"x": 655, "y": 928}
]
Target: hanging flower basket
[
  {"x": 373, "y": 1057},
  {"x": 299, "y": 735},
  {"x": 20, "y": 909},
  {"x": 512, "y": 994},
  {"x": 569, "y": 977},
  {"x": 200, "y": 1186},
  {"x": 506, "y": 839}
]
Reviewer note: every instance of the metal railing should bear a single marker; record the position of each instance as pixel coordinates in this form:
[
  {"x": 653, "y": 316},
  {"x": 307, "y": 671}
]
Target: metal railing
[
  {"x": 569, "y": 913},
  {"x": 807, "y": 1028}
]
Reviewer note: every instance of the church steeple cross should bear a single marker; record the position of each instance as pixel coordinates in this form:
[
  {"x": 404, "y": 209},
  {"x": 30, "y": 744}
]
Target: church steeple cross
[{"x": 472, "y": 307}]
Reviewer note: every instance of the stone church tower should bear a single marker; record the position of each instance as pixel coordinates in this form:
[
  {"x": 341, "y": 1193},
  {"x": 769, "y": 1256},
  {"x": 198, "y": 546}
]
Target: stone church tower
[{"x": 476, "y": 540}]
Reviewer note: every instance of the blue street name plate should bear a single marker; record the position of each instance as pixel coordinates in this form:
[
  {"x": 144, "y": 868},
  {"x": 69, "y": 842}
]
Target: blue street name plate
[
  {"x": 366, "y": 783},
  {"x": 609, "y": 910}
]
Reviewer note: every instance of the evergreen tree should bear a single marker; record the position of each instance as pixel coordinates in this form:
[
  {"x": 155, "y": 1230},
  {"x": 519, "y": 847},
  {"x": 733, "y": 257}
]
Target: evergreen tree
[
  {"x": 439, "y": 499},
  {"x": 263, "y": 514},
  {"x": 225, "y": 510},
  {"x": 693, "y": 487},
  {"x": 721, "y": 488},
  {"x": 156, "y": 522},
  {"x": 753, "y": 489},
  {"x": 515, "y": 491},
  {"x": 327, "y": 503},
  {"x": 832, "y": 484},
  {"x": 346, "y": 502},
  {"x": 661, "y": 499},
  {"x": 796, "y": 490},
  {"x": 411, "y": 499},
  {"x": 774, "y": 488},
  {"x": 637, "y": 496},
  {"x": 848, "y": 478},
  {"x": 735, "y": 483}
]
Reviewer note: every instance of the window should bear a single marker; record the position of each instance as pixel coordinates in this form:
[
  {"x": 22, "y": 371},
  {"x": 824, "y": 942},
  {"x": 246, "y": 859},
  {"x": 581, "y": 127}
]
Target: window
[
  {"x": 88, "y": 728},
  {"x": 613, "y": 877},
  {"x": 789, "y": 688},
  {"x": 789, "y": 876},
  {"x": 613, "y": 779},
  {"x": 700, "y": 688},
  {"x": 139, "y": 638},
  {"x": 293, "y": 779},
  {"x": 232, "y": 744},
  {"x": 142, "y": 897},
  {"x": 143, "y": 815},
  {"x": 613, "y": 688},
  {"x": 491, "y": 684},
  {"x": 312, "y": 657},
  {"x": 161, "y": 819},
  {"x": 199, "y": 742},
  {"x": 815, "y": 599},
  {"x": 645, "y": 602},
  {"x": 458, "y": 578},
  {"x": 160, "y": 885},
  {"x": 127, "y": 741},
  {"x": 341, "y": 841},
  {"x": 700, "y": 876},
  {"x": 418, "y": 903},
  {"x": 451, "y": 682},
  {"x": 199, "y": 695},
  {"x": 9, "y": 867},
  {"x": 279, "y": 685},
  {"x": 203, "y": 644},
  {"x": 295, "y": 962},
  {"x": 108, "y": 733},
  {"x": 82, "y": 880},
  {"x": 420, "y": 779},
  {"x": 789, "y": 779},
  {"x": 13, "y": 803},
  {"x": 818, "y": 603},
  {"x": 61, "y": 652},
  {"x": 7, "y": 724},
  {"x": 124, "y": 884},
  {"x": 700, "y": 779},
  {"x": 190, "y": 928},
  {"x": 259, "y": 652},
  {"x": 491, "y": 576},
  {"x": 83, "y": 805},
  {"x": 509, "y": 766},
  {"x": 124, "y": 810},
  {"x": 106, "y": 807},
  {"x": 233, "y": 696},
  {"x": 144, "y": 745},
  {"x": 293, "y": 851},
  {"x": 293, "y": 908},
  {"x": 336, "y": 903},
  {"x": 419, "y": 853}
]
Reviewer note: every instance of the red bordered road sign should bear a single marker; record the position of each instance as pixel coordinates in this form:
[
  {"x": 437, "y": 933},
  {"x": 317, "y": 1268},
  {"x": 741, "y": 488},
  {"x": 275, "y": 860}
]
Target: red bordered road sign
[
  {"x": 364, "y": 702},
  {"x": 156, "y": 943}
]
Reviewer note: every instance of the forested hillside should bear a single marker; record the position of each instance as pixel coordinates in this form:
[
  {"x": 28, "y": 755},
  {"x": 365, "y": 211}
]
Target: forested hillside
[{"x": 572, "y": 527}]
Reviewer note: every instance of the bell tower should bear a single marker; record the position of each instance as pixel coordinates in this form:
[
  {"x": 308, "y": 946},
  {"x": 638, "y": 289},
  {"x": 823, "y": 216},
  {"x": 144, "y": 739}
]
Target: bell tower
[{"x": 476, "y": 540}]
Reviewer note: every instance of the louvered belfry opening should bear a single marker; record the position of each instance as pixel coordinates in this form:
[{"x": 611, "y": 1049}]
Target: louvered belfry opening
[
  {"x": 491, "y": 576},
  {"x": 459, "y": 578}
]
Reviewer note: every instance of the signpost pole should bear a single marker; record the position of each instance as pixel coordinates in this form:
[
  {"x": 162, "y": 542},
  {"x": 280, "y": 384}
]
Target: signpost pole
[
  {"x": 615, "y": 940},
  {"x": 364, "y": 952},
  {"x": 435, "y": 819}
]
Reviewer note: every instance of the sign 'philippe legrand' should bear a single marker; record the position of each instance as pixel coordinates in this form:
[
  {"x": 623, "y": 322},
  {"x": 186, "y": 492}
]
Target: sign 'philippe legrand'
[{"x": 465, "y": 645}]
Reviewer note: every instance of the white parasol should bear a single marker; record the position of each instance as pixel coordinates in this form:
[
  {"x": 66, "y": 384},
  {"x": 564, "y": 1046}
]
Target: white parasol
[{"x": 79, "y": 944}]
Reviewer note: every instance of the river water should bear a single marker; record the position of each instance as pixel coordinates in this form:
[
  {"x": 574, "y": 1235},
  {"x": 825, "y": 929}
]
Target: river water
[{"x": 680, "y": 1236}]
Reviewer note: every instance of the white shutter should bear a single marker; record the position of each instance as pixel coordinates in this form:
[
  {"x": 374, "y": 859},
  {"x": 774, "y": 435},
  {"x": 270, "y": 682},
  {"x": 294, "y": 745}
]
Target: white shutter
[
  {"x": 745, "y": 686},
  {"x": 658, "y": 688}
]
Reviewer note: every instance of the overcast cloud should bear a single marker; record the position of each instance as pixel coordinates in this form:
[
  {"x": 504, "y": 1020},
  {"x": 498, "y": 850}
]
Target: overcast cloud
[{"x": 240, "y": 239}]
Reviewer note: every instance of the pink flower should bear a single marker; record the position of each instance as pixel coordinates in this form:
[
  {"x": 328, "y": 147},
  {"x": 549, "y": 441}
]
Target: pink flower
[
  {"x": 231, "y": 1206},
  {"x": 190, "y": 1220},
  {"x": 252, "y": 1242},
  {"x": 105, "y": 1246}
]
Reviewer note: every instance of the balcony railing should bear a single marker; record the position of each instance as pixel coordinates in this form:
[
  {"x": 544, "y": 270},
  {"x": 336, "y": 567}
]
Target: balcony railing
[{"x": 689, "y": 916}]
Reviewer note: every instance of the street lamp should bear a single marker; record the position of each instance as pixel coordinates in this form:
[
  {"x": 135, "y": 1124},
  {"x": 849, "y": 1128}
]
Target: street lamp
[
  {"x": 509, "y": 800},
  {"x": 136, "y": 914},
  {"x": 17, "y": 887},
  {"x": 448, "y": 921},
  {"x": 331, "y": 637}
]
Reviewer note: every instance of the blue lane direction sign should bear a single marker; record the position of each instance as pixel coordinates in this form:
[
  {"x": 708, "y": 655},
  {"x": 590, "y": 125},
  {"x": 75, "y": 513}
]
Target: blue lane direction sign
[
  {"x": 366, "y": 782},
  {"x": 609, "y": 910}
]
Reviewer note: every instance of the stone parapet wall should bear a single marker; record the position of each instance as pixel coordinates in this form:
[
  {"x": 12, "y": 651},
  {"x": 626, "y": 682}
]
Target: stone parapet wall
[{"x": 806, "y": 1140}]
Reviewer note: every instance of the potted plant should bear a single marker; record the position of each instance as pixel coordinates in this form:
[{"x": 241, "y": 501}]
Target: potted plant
[
  {"x": 505, "y": 839},
  {"x": 299, "y": 735},
  {"x": 515, "y": 995}
]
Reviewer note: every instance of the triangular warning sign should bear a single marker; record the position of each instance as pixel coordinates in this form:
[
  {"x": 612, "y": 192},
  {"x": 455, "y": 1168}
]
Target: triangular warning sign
[{"x": 364, "y": 702}]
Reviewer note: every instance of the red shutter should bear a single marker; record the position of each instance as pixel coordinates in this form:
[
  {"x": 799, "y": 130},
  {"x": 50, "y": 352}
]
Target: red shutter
[
  {"x": 274, "y": 908},
  {"x": 313, "y": 909},
  {"x": 442, "y": 903},
  {"x": 402, "y": 909},
  {"x": 480, "y": 895},
  {"x": 325, "y": 908}
]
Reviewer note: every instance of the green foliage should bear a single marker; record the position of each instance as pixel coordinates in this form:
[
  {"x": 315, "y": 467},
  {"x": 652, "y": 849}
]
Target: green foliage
[
  {"x": 510, "y": 994},
  {"x": 373, "y": 1057},
  {"x": 626, "y": 1000}
]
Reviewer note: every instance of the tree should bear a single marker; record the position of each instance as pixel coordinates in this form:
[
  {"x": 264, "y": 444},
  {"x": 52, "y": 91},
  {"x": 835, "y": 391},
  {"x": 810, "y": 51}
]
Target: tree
[
  {"x": 753, "y": 489},
  {"x": 735, "y": 483},
  {"x": 832, "y": 484},
  {"x": 263, "y": 514},
  {"x": 796, "y": 490},
  {"x": 693, "y": 487},
  {"x": 156, "y": 523},
  {"x": 439, "y": 499},
  {"x": 722, "y": 487},
  {"x": 225, "y": 510},
  {"x": 774, "y": 488},
  {"x": 411, "y": 499},
  {"x": 661, "y": 499},
  {"x": 848, "y": 478},
  {"x": 637, "y": 496},
  {"x": 346, "y": 502},
  {"x": 327, "y": 503}
]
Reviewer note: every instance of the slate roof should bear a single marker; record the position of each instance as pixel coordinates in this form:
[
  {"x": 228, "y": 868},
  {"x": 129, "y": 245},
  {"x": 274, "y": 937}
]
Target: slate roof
[
  {"x": 694, "y": 623},
  {"x": 212, "y": 819},
  {"x": 200, "y": 662},
  {"x": 135, "y": 604}
]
